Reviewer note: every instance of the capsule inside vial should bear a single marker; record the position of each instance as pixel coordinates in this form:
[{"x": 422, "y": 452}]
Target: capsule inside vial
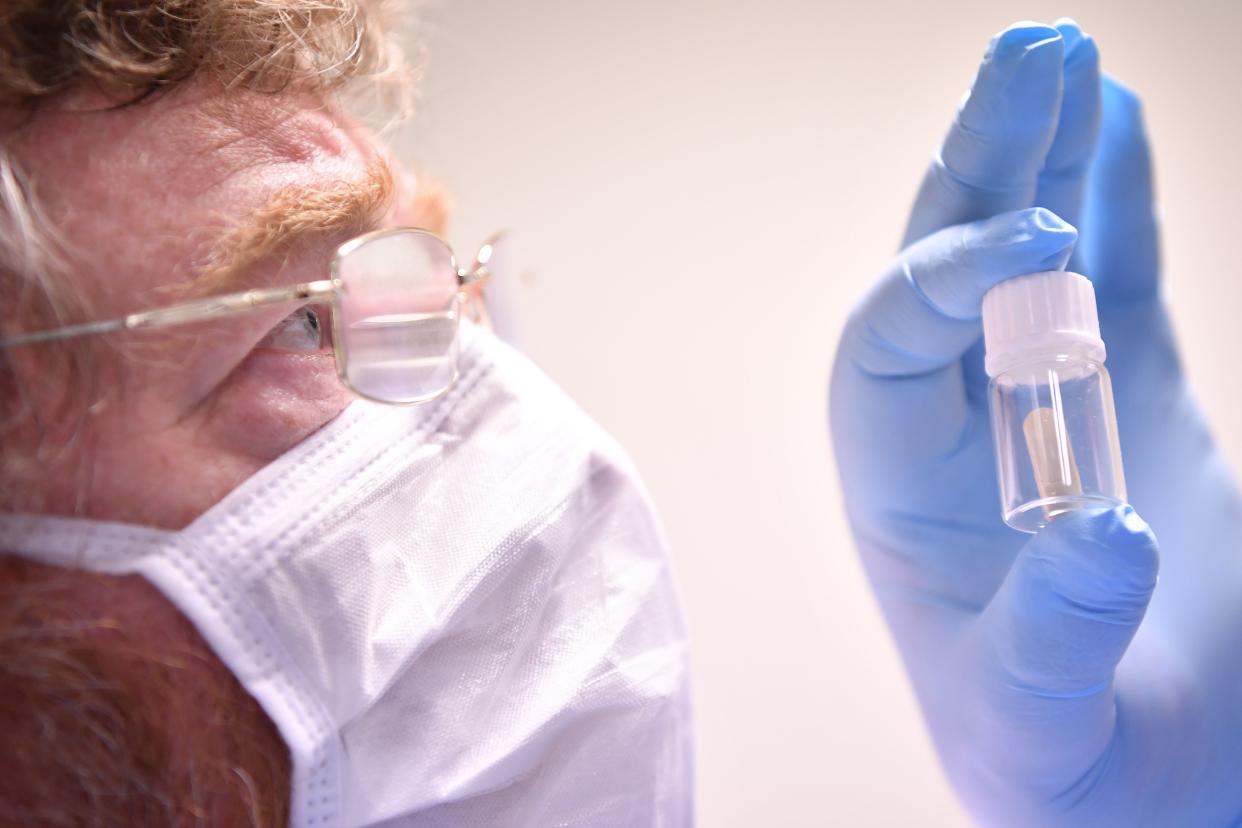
[
  {"x": 1053, "y": 422},
  {"x": 1052, "y": 457}
]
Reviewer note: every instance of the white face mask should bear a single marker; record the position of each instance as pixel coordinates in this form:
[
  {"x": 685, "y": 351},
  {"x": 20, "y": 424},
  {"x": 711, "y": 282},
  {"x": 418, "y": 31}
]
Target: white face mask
[{"x": 457, "y": 614}]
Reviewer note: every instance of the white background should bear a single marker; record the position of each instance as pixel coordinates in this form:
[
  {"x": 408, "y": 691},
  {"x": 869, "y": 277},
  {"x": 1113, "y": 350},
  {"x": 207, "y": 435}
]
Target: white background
[{"x": 699, "y": 191}]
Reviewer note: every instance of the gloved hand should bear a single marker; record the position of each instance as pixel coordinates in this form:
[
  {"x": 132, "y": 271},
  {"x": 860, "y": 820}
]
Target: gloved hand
[{"x": 1052, "y": 700}]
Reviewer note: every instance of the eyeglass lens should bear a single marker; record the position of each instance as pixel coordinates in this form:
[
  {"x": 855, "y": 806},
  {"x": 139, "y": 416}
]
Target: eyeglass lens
[{"x": 398, "y": 316}]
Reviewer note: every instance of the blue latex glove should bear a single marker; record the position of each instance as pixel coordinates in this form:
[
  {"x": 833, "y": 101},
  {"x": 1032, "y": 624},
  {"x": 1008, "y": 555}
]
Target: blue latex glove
[{"x": 1048, "y": 702}]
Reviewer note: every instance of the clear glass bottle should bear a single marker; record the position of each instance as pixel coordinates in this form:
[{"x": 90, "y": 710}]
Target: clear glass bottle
[{"x": 1051, "y": 400}]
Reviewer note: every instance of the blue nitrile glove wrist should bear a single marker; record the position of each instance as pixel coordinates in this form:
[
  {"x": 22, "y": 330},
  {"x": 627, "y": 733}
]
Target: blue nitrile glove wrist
[{"x": 1060, "y": 689}]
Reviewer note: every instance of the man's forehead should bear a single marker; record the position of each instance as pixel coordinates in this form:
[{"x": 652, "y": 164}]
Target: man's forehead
[
  {"x": 174, "y": 180},
  {"x": 193, "y": 121},
  {"x": 256, "y": 128},
  {"x": 192, "y": 156}
]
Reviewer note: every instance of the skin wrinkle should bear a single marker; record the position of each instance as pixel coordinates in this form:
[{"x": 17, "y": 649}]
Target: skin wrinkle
[{"x": 233, "y": 133}]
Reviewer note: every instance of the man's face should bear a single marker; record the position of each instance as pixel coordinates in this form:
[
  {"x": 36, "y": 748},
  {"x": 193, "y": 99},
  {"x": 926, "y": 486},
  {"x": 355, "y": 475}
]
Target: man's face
[{"x": 198, "y": 192}]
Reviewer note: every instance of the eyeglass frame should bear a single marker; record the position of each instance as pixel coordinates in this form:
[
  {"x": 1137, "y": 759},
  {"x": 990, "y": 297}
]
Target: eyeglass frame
[{"x": 328, "y": 290}]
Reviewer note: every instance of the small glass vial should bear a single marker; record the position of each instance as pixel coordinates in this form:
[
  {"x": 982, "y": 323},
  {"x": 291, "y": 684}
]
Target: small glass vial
[{"x": 1053, "y": 422}]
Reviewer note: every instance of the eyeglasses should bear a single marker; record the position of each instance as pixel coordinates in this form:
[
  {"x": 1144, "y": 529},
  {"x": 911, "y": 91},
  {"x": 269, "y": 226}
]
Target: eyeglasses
[{"x": 396, "y": 297}]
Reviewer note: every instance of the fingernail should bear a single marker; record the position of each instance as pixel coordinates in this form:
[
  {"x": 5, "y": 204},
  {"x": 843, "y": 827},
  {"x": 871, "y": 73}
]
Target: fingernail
[
  {"x": 1118, "y": 524},
  {"x": 1013, "y": 43},
  {"x": 1052, "y": 236},
  {"x": 1080, "y": 50},
  {"x": 1055, "y": 235},
  {"x": 1071, "y": 34},
  {"x": 1045, "y": 219},
  {"x": 1024, "y": 241},
  {"x": 1131, "y": 520},
  {"x": 1035, "y": 228}
]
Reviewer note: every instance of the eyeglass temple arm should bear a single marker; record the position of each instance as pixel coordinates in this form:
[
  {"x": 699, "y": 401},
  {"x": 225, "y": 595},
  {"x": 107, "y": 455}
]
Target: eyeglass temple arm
[
  {"x": 479, "y": 273},
  {"x": 198, "y": 310},
  {"x": 473, "y": 278}
]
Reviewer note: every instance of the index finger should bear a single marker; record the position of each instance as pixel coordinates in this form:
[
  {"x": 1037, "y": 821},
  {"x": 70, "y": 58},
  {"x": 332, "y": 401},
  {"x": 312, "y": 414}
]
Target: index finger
[{"x": 995, "y": 149}]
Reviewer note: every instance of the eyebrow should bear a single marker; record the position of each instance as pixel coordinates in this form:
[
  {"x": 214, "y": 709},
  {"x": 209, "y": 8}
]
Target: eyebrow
[{"x": 293, "y": 215}]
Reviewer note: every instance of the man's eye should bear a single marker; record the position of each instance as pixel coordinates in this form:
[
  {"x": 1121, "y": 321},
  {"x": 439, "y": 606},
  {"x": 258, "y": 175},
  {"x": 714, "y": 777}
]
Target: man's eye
[{"x": 301, "y": 330}]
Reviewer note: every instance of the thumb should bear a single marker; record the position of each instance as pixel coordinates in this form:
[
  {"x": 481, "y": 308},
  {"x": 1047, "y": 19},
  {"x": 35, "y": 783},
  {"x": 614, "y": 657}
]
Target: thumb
[{"x": 1048, "y": 646}]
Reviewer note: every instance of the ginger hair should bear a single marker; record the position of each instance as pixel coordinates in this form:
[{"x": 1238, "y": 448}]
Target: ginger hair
[{"x": 142, "y": 46}]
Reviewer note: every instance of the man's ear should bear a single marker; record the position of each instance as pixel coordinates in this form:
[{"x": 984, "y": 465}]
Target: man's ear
[{"x": 421, "y": 200}]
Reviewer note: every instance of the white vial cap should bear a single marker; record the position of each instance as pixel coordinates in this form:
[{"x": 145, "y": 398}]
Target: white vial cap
[{"x": 1037, "y": 314}]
